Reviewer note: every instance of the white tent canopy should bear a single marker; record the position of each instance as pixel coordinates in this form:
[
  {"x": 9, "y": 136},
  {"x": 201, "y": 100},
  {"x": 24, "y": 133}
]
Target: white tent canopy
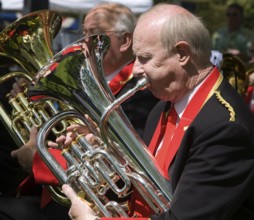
[
  {"x": 78, "y": 6},
  {"x": 13, "y": 9}
]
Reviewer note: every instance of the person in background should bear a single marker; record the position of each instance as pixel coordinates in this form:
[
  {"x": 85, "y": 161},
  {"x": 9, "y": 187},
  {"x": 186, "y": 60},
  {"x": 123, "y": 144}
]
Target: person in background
[
  {"x": 234, "y": 38},
  {"x": 118, "y": 22},
  {"x": 208, "y": 155}
]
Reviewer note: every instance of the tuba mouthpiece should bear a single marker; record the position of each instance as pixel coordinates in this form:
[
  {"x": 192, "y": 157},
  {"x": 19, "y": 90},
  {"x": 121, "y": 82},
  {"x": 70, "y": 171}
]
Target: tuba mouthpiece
[{"x": 143, "y": 83}]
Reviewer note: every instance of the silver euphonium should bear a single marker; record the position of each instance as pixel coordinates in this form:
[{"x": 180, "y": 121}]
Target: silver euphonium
[{"x": 120, "y": 155}]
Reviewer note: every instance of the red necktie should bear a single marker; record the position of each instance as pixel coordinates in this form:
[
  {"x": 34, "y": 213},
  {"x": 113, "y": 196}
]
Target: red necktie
[
  {"x": 165, "y": 149},
  {"x": 203, "y": 94}
]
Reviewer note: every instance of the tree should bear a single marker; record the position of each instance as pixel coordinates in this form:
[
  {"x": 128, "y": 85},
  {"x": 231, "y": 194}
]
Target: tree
[{"x": 212, "y": 12}]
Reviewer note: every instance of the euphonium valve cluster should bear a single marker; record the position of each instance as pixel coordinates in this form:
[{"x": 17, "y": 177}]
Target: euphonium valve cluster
[{"x": 119, "y": 163}]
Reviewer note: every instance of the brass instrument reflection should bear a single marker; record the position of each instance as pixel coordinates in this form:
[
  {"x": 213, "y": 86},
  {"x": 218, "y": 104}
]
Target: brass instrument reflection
[{"x": 237, "y": 72}]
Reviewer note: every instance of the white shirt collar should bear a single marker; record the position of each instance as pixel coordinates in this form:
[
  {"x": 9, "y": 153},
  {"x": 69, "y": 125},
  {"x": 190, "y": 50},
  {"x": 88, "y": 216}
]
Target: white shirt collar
[{"x": 181, "y": 105}]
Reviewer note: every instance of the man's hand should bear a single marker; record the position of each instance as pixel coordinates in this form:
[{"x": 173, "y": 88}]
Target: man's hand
[
  {"x": 18, "y": 86},
  {"x": 25, "y": 154},
  {"x": 72, "y": 132},
  {"x": 251, "y": 79},
  {"x": 79, "y": 210}
]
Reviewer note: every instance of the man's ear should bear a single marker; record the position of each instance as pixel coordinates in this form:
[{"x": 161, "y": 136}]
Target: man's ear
[
  {"x": 183, "y": 50},
  {"x": 126, "y": 42}
]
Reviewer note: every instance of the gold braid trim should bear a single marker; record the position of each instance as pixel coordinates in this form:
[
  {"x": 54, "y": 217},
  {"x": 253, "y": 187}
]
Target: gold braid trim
[
  {"x": 226, "y": 104},
  {"x": 215, "y": 87}
]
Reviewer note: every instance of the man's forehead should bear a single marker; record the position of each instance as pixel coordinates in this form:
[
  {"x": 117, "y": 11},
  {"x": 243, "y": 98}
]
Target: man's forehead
[
  {"x": 143, "y": 44},
  {"x": 146, "y": 31},
  {"x": 94, "y": 24}
]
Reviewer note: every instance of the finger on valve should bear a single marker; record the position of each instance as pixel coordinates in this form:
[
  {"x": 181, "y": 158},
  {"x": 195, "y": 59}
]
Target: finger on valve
[
  {"x": 18, "y": 87},
  {"x": 80, "y": 208},
  {"x": 72, "y": 132}
]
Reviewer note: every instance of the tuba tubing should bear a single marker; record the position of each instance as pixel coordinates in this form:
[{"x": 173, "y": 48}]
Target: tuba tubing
[
  {"x": 151, "y": 196},
  {"x": 119, "y": 154},
  {"x": 27, "y": 43}
]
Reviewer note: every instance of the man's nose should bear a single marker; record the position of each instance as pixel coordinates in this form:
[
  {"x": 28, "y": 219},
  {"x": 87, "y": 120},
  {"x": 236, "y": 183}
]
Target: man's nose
[{"x": 137, "y": 69}]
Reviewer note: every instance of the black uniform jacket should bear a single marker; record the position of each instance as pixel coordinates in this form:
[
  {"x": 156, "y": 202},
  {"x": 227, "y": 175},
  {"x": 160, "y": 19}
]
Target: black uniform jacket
[{"x": 212, "y": 175}]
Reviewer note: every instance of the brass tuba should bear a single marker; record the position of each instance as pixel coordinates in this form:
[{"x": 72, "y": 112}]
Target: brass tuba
[
  {"x": 120, "y": 154},
  {"x": 28, "y": 43},
  {"x": 236, "y": 71}
]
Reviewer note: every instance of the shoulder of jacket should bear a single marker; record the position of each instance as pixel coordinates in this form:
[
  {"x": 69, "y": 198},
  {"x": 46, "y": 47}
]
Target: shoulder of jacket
[{"x": 226, "y": 104}]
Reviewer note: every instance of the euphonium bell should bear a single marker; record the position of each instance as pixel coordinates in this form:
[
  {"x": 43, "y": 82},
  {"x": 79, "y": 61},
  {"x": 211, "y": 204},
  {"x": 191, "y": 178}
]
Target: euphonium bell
[{"x": 120, "y": 154}]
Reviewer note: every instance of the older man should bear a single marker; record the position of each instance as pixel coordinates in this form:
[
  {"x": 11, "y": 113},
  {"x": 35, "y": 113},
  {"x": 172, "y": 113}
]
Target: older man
[
  {"x": 209, "y": 158},
  {"x": 117, "y": 22}
]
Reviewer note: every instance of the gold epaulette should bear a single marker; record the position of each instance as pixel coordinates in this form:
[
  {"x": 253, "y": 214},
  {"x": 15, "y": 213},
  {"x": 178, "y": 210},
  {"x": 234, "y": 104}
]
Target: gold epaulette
[{"x": 226, "y": 104}]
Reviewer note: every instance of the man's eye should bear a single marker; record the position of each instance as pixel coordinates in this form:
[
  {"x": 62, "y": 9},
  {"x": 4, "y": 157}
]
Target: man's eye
[
  {"x": 90, "y": 32},
  {"x": 143, "y": 59}
]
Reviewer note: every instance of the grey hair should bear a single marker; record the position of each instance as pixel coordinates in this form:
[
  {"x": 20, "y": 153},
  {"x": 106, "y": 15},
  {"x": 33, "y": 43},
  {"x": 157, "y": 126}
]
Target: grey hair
[
  {"x": 122, "y": 18},
  {"x": 126, "y": 22}
]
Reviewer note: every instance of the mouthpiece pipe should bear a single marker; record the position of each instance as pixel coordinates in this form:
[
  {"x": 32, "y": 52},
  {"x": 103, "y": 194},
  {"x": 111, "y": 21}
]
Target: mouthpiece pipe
[{"x": 141, "y": 84}]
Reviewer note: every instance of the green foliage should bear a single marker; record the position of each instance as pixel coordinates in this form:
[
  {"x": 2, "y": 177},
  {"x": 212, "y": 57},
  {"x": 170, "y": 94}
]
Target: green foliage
[{"x": 212, "y": 12}]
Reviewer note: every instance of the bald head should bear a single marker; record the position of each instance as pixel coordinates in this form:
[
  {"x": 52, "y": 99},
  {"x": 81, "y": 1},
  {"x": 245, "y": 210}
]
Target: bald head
[
  {"x": 174, "y": 23},
  {"x": 164, "y": 10}
]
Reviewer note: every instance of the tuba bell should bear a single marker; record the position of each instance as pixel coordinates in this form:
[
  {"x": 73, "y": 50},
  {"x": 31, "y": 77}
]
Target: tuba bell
[
  {"x": 236, "y": 72},
  {"x": 27, "y": 43},
  {"x": 120, "y": 154},
  {"x": 28, "y": 40}
]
